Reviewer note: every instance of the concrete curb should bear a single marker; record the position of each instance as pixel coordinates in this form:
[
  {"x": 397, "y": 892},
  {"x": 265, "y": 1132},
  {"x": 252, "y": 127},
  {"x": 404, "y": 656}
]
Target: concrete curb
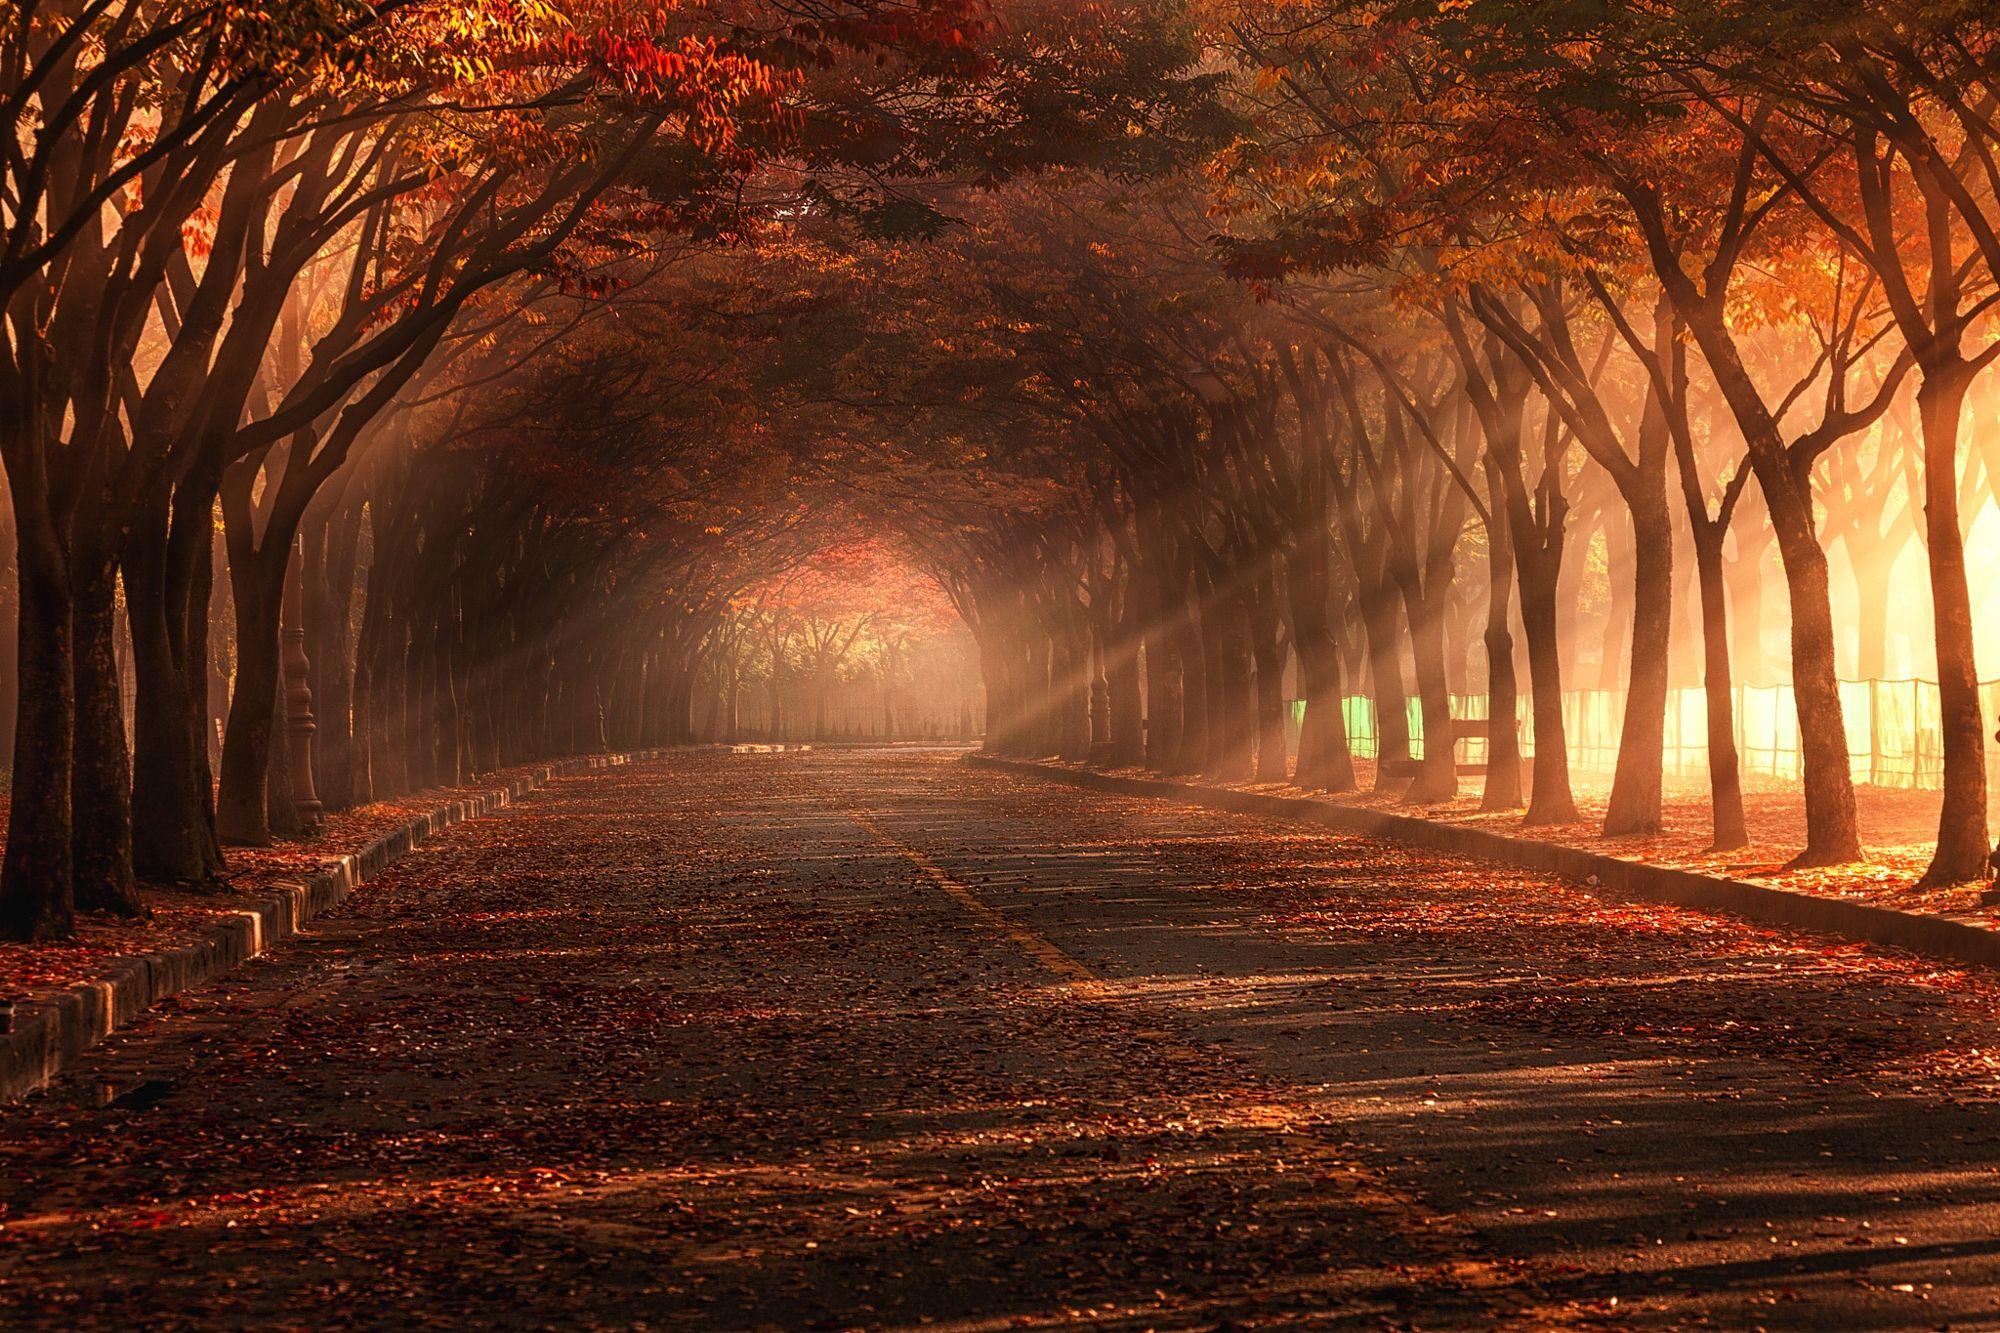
[
  {"x": 1937, "y": 936},
  {"x": 46, "y": 1036}
]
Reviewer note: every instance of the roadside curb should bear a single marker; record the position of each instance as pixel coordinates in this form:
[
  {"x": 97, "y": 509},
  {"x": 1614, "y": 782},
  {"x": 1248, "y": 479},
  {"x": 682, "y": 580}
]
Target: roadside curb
[
  {"x": 46, "y": 1036},
  {"x": 1937, "y": 936}
]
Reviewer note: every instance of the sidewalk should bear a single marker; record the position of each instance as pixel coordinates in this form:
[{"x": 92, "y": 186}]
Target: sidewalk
[
  {"x": 1873, "y": 900},
  {"x": 1898, "y": 831},
  {"x": 36, "y": 971},
  {"x": 57, "y": 999}
]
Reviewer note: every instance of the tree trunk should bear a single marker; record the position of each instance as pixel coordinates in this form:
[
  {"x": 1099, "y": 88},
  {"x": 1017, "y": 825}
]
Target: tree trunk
[
  {"x": 1122, "y": 698},
  {"x": 1191, "y": 756},
  {"x": 331, "y": 551},
  {"x": 1502, "y": 789},
  {"x": 1071, "y": 680},
  {"x": 418, "y": 746},
  {"x": 100, "y": 773},
  {"x": 1620, "y": 556},
  {"x": 242, "y": 812},
  {"x": 168, "y": 582},
  {"x": 281, "y": 806},
  {"x": 1871, "y": 620},
  {"x": 1437, "y": 773},
  {"x": 1165, "y": 709},
  {"x": 1551, "y": 799},
  {"x": 217, "y": 667},
  {"x": 1634, "y": 806},
  {"x": 1833, "y": 834},
  {"x": 1232, "y": 714},
  {"x": 361, "y": 768},
  {"x": 1038, "y": 706},
  {"x": 1725, "y": 783},
  {"x": 1268, "y": 656},
  {"x": 1325, "y": 762},
  {"x": 1098, "y": 650},
  {"x": 37, "y": 899},
  {"x": 732, "y": 715},
  {"x": 998, "y": 705},
  {"x": 1385, "y": 681},
  {"x": 1962, "y": 847},
  {"x": 10, "y": 612},
  {"x": 448, "y": 766},
  {"x": 390, "y": 736}
]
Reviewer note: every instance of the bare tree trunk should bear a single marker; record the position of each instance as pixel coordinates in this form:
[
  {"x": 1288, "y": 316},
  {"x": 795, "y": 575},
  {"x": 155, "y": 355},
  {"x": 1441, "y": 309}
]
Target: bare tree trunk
[
  {"x": 1385, "y": 681},
  {"x": 10, "y": 613},
  {"x": 1725, "y": 782},
  {"x": 448, "y": 769},
  {"x": 37, "y": 899},
  {"x": 1121, "y": 683},
  {"x": 1502, "y": 790},
  {"x": 1437, "y": 772},
  {"x": 1620, "y": 555},
  {"x": 1071, "y": 682},
  {"x": 281, "y": 807},
  {"x": 1164, "y": 706},
  {"x": 1268, "y": 655},
  {"x": 1551, "y": 799},
  {"x": 168, "y": 582},
  {"x": 100, "y": 773},
  {"x": 332, "y": 540},
  {"x": 1325, "y": 761},
  {"x": 1191, "y": 756},
  {"x": 1962, "y": 846},
  {"x": 1634, "y": 806},
  {"x": 1232, "y": 725},
  {"x": 243, "y": 804},
  {"x": 1833, "y": 834}
]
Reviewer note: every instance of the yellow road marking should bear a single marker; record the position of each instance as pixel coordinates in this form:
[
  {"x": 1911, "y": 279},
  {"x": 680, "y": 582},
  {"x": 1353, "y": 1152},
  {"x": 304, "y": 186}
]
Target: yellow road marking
[
  {"x": 1513, "y": 1299},
  {"x": 1035, "y": 946}
]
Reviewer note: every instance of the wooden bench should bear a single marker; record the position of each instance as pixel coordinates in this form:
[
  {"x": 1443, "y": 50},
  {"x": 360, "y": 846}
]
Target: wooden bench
[{"x": 1462, "y": 729}]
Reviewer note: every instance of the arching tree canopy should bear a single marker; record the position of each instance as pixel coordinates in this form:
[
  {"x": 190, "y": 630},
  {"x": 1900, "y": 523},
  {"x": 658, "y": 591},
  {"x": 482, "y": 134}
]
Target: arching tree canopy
[{"x": 1110, "y": 378}]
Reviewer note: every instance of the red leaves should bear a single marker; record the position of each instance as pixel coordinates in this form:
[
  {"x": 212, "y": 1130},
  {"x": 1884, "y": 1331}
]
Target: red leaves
[
  {"x": 37, "y": 971},
  {"x": 674, "y": 1043},
  {"x": 715, "y": 93}
]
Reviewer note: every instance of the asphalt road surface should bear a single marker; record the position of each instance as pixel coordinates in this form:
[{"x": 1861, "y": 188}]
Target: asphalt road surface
[{"x": 872, "y": 1039}]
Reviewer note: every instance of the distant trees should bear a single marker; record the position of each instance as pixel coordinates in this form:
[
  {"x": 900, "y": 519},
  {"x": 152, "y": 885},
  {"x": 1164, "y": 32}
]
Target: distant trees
[{"x": 848, "y": 638}]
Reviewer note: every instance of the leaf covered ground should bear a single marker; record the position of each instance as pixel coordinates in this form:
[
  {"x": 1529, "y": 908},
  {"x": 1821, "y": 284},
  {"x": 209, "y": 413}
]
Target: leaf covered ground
[
  {"x": 1898, "y": 829},
  {"x": 853, "y": 1039},
  {"x": 179, "y": 917}
]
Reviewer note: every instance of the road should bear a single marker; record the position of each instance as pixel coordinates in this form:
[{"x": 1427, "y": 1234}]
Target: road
[{"x": 873, "y": 1039}]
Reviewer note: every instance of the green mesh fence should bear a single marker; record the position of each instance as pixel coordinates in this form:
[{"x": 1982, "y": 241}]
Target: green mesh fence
[{"x": 1893, "y": 735}]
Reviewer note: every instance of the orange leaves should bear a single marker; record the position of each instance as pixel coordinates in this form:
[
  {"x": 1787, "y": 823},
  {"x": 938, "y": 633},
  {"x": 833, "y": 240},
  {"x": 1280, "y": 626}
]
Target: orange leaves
[
  {"x": 712, "y": 91},
  {"x": 198, "y": 231}
]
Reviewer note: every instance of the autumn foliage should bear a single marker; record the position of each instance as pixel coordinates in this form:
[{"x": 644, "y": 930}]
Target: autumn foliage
[{"x": 552, "y": 367}]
